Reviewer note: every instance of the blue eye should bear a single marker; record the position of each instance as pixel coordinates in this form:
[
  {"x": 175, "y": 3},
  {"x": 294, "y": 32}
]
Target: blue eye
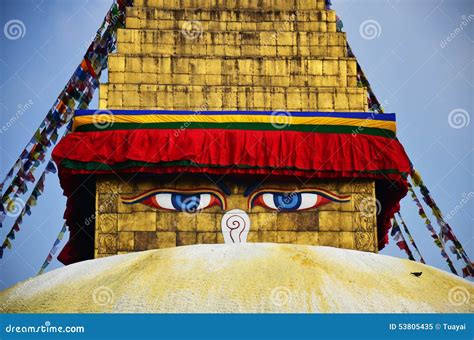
[
  {"x": 188, "y": 203},
  {"x": 304, "y": 199},
  {"x": 285, "y": 201}
]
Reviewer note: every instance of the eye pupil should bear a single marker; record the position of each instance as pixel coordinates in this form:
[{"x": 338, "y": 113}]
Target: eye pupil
[
  {"x": 188, "y": 203},
  {"x": 287, "y": 201}
]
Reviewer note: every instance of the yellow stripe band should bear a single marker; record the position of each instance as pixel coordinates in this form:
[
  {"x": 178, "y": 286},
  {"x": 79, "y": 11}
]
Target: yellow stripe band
[{"x": 281, "y": 120}]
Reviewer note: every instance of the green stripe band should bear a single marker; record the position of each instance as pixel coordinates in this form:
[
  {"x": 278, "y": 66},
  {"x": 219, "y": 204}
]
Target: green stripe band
[
  {"x": 346, "y": 129},
  {"x": 76, "y": 165}
]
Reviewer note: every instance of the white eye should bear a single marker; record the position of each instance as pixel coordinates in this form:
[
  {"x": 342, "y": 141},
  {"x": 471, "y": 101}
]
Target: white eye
[
  {"x": 178, "y": 202},
  {"x": 308, "y": 201},
  {"x": 269, "y": 201},
  {"x": 185, "y": 201},
  {"x": 283, "y": 201},
  {"x": 292, "y": 202},
  {"x": 204, "y": 201},
  {"x": 164, "y": 201}
]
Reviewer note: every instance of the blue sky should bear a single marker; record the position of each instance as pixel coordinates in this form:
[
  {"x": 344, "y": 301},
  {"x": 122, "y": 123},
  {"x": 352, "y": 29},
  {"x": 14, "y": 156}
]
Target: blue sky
[{"x": 413, "y": 68}]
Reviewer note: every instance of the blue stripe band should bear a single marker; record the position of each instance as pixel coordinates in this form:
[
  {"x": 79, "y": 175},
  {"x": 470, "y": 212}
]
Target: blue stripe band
[{"x": 357, "y": 115}]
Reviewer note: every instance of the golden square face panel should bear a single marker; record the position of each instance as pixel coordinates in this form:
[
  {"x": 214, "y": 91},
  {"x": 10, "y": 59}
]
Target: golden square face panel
[{"x": 150, "y": 212}]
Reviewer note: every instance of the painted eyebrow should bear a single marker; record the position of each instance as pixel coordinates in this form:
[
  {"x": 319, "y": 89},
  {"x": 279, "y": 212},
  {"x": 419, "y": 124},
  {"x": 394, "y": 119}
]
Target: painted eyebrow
[
  {"x": 219, "y": 183},
  {"x": 251, "y": 188},
  {"x": 322, "y": 192},
  {"x": 149, "y": 193},
  {"x": 225, "y": 189}
]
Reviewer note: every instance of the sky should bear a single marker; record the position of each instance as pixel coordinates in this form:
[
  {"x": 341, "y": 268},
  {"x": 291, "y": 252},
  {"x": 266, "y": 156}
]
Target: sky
[{"x": 418, "y": 56}]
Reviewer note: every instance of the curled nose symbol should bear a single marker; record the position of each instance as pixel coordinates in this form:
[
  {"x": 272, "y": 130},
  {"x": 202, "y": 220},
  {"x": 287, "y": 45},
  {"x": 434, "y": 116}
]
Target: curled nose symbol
[{"x": 235, "y": 225}]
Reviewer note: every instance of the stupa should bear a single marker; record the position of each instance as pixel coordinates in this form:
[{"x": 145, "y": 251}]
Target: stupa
[{"x": 233, "y": 165}]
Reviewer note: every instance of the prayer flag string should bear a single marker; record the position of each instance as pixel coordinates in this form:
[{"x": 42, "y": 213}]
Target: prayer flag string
[
  {"x": 410, "y": 237},
  {"x": 18, "y": 208},
  {"x": 397, "y": 235},
  {"x": 362, "y": 81},
  {"x": 434, "y": 235},
  {"x": 53, "y": 250},
  {"x": 446, "y": 233},
  {"x": 77, "y": 93}
]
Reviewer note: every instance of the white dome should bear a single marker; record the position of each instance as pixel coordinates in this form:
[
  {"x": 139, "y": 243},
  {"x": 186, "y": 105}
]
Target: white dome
[{"x": 252, "y": 277}]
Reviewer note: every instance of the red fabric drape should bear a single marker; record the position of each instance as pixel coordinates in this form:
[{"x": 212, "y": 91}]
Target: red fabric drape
[{"x": 262, "y": 149}]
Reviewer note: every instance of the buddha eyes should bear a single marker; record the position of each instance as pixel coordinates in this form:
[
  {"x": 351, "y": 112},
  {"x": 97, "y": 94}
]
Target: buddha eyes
[
  {"x": 179, "y": 200},
  {"x": 286, "y": 202},
  {"x": 307, "y": 199},
  {"x": 192, "y": 201}
]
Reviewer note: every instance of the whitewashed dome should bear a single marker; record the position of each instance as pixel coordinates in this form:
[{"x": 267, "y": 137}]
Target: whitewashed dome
[{"x": 252, "y": 277}]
